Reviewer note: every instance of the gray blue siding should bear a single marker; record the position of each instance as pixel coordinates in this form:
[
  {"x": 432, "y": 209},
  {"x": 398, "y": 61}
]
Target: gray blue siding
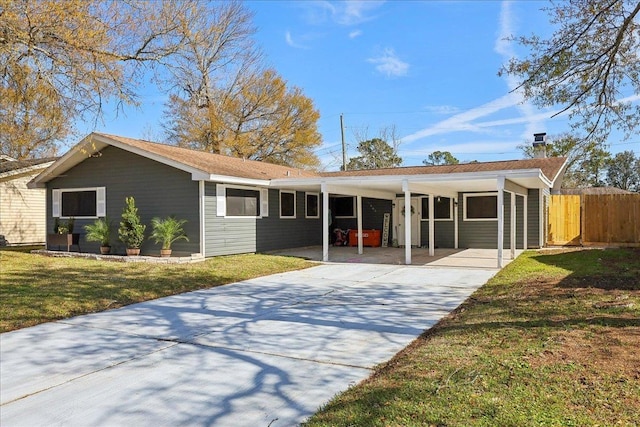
[
  {"x": 444, "y": 234},
  {"x": 533, "y": 222},
  {"x": 158, "y": 189},
  {"x": 224, "y": 236}
]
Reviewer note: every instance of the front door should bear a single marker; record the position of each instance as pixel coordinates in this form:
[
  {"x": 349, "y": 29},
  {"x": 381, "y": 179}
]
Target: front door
[{"x": 398, "y": 222}]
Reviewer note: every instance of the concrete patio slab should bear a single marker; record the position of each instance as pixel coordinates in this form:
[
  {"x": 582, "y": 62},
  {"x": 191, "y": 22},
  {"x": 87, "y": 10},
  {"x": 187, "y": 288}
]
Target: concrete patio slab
[{"x": 267, "y": 351}]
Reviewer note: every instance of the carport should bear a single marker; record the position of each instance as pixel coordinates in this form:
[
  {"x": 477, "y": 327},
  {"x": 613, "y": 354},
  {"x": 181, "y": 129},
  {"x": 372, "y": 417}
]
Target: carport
[{"x": 514, "y": 178}]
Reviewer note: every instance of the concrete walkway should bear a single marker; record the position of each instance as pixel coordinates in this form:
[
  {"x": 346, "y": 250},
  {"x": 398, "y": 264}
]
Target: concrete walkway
[{"x": 264, "y": 352}]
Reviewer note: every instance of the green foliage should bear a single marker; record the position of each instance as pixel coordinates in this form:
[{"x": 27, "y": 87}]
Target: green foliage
[
  {"x": 440, "y": 158},
  {"x": 586, "y": 160},
  {"x": 623, "y": 171},
  {"x": 36, "y": 289},
  {"x": 167, "y": 230},
  {"x": 99, "y": 231},
  {"x": 587, "y": 67},
  {"x": 63, "y": 227},
  {"x": 131, "y": 231},
  {"x": 375, "y": 153}
]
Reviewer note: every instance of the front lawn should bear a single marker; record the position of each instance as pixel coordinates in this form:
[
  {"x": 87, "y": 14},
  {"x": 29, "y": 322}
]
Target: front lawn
[
  {"x": 36, "y": 289},
  {"x": 552, "y": 340}
]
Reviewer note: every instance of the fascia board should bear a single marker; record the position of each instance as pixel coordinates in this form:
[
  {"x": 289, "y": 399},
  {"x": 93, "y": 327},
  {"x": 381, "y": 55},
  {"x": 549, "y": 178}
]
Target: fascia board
[{"x": 225, "y": 179}]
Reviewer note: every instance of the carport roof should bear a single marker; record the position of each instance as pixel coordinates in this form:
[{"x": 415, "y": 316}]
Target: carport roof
[{"x": 549, "y": 166}]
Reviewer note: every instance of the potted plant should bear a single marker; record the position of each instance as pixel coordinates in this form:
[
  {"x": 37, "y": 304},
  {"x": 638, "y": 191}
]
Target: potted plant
[
  {"x": 63, "y": 234},
  {"x": 131, "y": 231},
  {"x": 100, "y": 231},
  {"x": 166, "y": 231}
]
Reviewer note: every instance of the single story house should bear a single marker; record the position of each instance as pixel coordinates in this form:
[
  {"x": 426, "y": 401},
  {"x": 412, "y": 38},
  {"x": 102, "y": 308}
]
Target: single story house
[
  {"x": 22, "y": 210},
  {"x": 234, "y": 205}
]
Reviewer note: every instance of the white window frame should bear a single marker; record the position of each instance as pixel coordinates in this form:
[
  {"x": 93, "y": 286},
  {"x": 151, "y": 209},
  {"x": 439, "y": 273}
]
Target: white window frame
[
  {"x": 353, "y": 198},
  {"x": 306, "y": 209},
  {"x": 221, "y": 201},
  {"x": 101, "y": 202},
  {"x": 470, "y": 195},
  {"x": 438, "y": 219},
  {"x": 294, "y": 216}
]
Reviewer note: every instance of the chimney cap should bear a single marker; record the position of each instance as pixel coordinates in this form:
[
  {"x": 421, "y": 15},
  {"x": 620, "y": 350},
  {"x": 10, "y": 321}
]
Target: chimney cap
[{"x": 540, "y": 137}]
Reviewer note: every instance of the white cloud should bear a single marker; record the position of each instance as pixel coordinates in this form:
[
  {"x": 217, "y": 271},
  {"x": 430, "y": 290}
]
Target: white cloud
[
  {"x": 345, "y": 13},
  {"x": 355, "y": 33},
  {"x": 389, "y": 64},
  {"x": 463, "y": 121},
  {"x": 289, "y": 39}
]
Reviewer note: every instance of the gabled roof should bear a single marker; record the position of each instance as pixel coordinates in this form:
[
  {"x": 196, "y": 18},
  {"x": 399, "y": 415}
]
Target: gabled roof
[
  {"x": 214, "y": 164},
  {"x": 530, "y": 173},
  {"x": 13, "y": 165},
  {"x": 550, "y": 167}
]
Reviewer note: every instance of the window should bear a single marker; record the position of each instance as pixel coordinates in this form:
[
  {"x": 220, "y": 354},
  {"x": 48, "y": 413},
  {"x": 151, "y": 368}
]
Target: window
[
  {"x": 287, "y": 204},
  {"x": 442, "y": 208},
  {"x": 481, "y": 206},
  {"x": 344, "y": 207},
  {"x": 78, "y": 202},
  {"x": 312, "y": 205},
  {"x": 242, "y": 202},
  {"x": 238, "y": 201}
]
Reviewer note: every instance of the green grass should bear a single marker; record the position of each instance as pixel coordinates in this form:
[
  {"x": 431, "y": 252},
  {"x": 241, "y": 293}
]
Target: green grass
[
  {"x": 552, "y": 340},
  {"x": 36, "y": 289}
]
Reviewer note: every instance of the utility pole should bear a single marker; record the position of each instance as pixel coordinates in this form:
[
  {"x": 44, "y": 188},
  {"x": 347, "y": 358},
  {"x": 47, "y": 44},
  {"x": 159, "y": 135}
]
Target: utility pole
[{"x": 344, "y": 147}]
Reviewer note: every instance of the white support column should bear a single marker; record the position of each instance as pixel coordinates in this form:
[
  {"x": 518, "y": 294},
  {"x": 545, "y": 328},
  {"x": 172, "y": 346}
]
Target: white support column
[
  {"x": 407, "y": 222},
  {"x": 500, "y": 219},
  {"x": 455, "y": 223},
  {"x": 525, "y": 237},
  {"x": 203, "y": 218},
  {"x": 359, "y": 214},
  {"x": 432, "y": 228},
  {"x": 325, "y": 222},
  {"x": 512, "y": 233}
]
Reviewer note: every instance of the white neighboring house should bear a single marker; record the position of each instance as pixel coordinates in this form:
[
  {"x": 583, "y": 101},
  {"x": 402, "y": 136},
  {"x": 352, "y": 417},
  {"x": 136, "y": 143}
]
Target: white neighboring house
[{"x": 22, "y": 210}]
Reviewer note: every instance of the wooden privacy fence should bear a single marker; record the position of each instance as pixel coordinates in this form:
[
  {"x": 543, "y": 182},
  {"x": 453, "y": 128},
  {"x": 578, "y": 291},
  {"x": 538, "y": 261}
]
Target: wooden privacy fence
[{"x": 594, "y": 219}]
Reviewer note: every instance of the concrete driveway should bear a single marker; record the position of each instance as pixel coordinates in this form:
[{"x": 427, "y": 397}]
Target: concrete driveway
[{"x": 264, "y": 352}]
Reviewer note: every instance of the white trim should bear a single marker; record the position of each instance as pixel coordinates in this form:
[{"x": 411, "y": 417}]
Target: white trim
[
  {"x": 438, "y": 219},
  {"x": 513, "y": 219},
  {"x": 432, "y": 225},
  {"x": 264, "y": 202},
  {"x": 464, "y": 206},
  {"x": 500, "y": 208},
  {"x": 325, "y": 222},
  {"x": 407, "y": 223},
  {"x": 97, "y": 190},
  {"x": 353, "y": 199},
  {"x": 101, "y": 202},
  {"x": 525, "y": 212},
  {"x": 306, "y": 206},
  {"x": 359, "y": 223},
  {"x": 456, "y": 220},
  {"x": 202, "y": 222},
  {"x": 221, "y": 199},
  {"x": 55, "y": 203},
  {"x": 280, "y": 204}
]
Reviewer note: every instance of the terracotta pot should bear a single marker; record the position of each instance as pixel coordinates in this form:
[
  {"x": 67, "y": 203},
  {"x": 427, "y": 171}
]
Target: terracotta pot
[
  {"x": 133, "y": 252},
  {"x": 165, "y": 253},
  {"x": 104, "y": 250}
]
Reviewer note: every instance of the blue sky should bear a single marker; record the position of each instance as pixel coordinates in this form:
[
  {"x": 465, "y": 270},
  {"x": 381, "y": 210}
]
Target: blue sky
[{"x": 428, "y": 68}]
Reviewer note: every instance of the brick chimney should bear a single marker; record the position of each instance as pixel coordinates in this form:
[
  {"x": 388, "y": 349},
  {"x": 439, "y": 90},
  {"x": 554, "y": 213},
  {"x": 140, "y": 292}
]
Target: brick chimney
[{"x": 540, "y": 145}]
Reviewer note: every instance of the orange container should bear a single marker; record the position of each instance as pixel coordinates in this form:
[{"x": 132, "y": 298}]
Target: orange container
[{"x": 369, "y": 238}]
